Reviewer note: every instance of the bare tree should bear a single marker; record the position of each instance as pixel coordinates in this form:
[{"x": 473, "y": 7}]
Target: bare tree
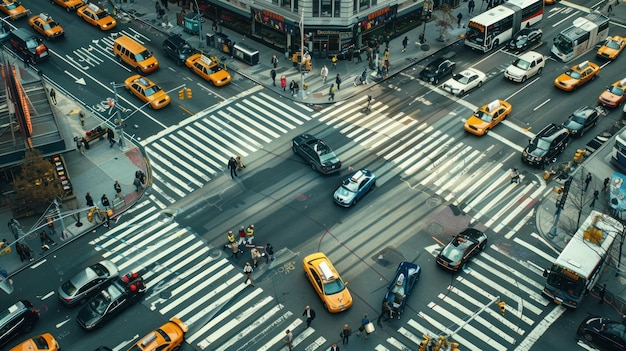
[{"x": 445, "y": 22}]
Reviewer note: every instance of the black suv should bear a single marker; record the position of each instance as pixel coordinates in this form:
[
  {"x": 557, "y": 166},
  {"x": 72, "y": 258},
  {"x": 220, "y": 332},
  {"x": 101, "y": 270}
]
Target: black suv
[
  {"x": 316, "y": 153},
  {"x": 18, "y": 318},
  {"x": 582, "y": 120},
  {"x": 178, "y": 49},
  {"x": 27, "y": 45},
  {"x": 437, "y": 69},
  {"x": 548, "y": 143}
]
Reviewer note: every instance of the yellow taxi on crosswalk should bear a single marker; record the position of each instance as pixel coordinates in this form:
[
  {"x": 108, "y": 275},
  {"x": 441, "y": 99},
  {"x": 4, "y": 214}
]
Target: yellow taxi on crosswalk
[
  {"x": 327, "y": 282},
  {"x": 487, "y": 117}
]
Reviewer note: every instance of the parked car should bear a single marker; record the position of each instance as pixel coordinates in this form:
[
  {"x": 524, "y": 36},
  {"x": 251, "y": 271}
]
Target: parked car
[
  {"x": 87, "y": 282},
  {"x": 612, "y": 47},
  {"x": 524, "y": 39},
  {"x": 400, "y": 288},
  {"x": 583, "y": 119},
  {"x": 168, "y": 337},
  {"x": 316, "y": 153},
  {"x": 327, "y": 282},
  {"x": 465, "y": 81},
  {"x": 461, "y": 248},
  {"x": 354, "y": 187},
  {"x": 17, "y": 319},
  {"x": 577, "y": 76},
  {"x": 437, "y": 69},
  {"x": 613, "y": 95},
  {"x": 111, "y": 300},
  {"x": 603, "y": 333},
  {"x": 546, "y": 146},
  {"x": 487, "y": 117},
  {"x": 525, "y": 66},
  {"x": 43, "y": 342},
  {"x": 178, "y": 49}
]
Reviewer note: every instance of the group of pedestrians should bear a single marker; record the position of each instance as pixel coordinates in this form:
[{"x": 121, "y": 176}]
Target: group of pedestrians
[{"x": 235, "y": 164}]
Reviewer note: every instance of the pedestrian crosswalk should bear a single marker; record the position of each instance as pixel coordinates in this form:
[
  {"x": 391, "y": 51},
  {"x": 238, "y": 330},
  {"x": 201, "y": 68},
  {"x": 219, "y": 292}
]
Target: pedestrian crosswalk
[
  {"x": 467, "y": 313},
  {"x": 184, "y": 158},
  {"x": 200, "y": 285}
]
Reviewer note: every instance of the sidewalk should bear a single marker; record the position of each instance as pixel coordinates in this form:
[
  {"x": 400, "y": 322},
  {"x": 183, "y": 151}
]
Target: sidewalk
[
  {"x": 317, "y": 90},
  {"x": 95, "y": 172}
]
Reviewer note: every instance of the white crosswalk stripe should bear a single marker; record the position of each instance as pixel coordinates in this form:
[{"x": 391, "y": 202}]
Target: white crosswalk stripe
[
  {"x": 200, "y": 286},
  {"x": 186, "y": 157}
]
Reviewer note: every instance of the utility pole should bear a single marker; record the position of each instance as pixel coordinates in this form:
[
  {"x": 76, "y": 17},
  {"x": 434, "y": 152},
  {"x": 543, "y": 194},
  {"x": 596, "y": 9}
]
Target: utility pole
[
  {"x": 119, "y": 122},
  {"x": 560, "y": 205},
  {"x": 301, "y": 93},
  {"x": 58, "y": 211},
  {"x": 199, "y": 19}
]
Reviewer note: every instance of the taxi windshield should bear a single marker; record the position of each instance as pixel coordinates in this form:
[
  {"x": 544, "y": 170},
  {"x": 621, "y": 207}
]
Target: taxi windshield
[
  {"x": 333, "y": 287},
  {"x": 101, "y": 15},
  {"x": 152, "y": 90},
  {"x": 484, "y": 116},
  {"x": 612, "y": 44},
  {"x": 573, "y": 74},
  {"x": 616, "y": 90}
]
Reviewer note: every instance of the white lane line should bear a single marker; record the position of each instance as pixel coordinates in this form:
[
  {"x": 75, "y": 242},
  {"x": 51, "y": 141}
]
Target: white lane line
[
  {"x": 181, "y": 172},
  {"x": 446, "y": 331},
  {"x": 236, "y": 121},
  {"x": 544, "y": 255},
  {"x": 519, "y": 208},
  {"x": 241, "y": 319},
  {"x": 540, "y": 329}
]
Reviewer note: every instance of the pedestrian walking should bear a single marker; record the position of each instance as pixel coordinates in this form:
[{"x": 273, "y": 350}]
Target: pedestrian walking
[
  {"x": 514, "y": 176},
  {"x": 365, "y": 321},
  {"x": 157, "y": 8},
  {"x": 605, "y": 187},
  {"x": 345, "y": 334},
  {"x": 45, "y": 240},
  {"x": 596, "y": 193},
  {"x": 111, "y": 137},
  {"x": 247, "y": 270},
  {"x": 214, "y": 27},
  {"x": 53, "y": 96},
  {"x": 331, "y": 93},
  {"x": 89, "y": 199},
  {"x": 20, "y": 252},
  {"x": 288, "y": 339},
  {"x": 609, "y": 9},
  {"x": 232, "y": 165},
  {"x": 587, "y": 181},
  {"x": 137, "y": 184},
  {"x": 292, "y": 87},
  {"x": 470, "y": 6},
  {"x": 250, "y": 234},
  {"x": 79, "y": 145},
  {"x": 255, "y": 255},
  {"x": 357, "y": 54},
  {"x": 283, "y": 83},
  {"x": 118, "y": 189},
  {"x": 242, "y": 236},
  {"x": 24, "y": 251},
  {"x": 338, "y": 81},
  {"x": 334, "y": 347},
  {"x": 240, "y": 164},
  {"x": 164, "y": 4},
  {"x": 274, "y": 61},
  {"x": 269, "y": 252},
  {"x": 273, "y": 75},
  {"x": 459, "y": 17},
  {"x": 334, "y": 61},
  {"x": 50, "y": 224},
  {"x": 105, "y": 201},
  {"x": 324, "y": 73},
  {"x": 309, "y": 313},
  {"x": 405, "y": 42},
  {"x": 235, "y": 249},
  {"x": 601, "y": 294},
  {"x": 296, "y": 87}
]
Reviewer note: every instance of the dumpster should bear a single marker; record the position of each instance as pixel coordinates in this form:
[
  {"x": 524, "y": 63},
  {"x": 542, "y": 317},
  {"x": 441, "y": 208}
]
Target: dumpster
[
  {"x": 192, "y": 23},
  {"x": 246, "y": 54}
]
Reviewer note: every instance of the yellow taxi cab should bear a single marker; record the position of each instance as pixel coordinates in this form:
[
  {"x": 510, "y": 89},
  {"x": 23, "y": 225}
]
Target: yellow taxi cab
[
  {"x": 612, "y": 47},
  {"x": 69, "y": 5},
  {"x": 549, "y": 2},
  {"x": 327, "y": 282},
  {"x": 96, "y": 16},
  {"x": 613, "y": 95},
  {"x": 487, "y": 117},
  {"x": 147, "y": 91},
  {"x": 209, "y": 68},
  {"x": 168, "y": 337},
  {"x": 577, "y": 76},
  {"x": 43, "y": 342},
  {"x": 46, "y": 26},
  {"x": 13, "y": 9}
]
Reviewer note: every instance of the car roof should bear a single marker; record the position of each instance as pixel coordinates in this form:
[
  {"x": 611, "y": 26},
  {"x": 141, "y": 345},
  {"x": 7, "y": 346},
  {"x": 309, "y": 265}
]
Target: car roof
[
  {"x": 530, "y": 55},
  {"x": 551, "y": 131},
  {"x": 177, "y": 40},
  {"x": 437, "y": 61}
]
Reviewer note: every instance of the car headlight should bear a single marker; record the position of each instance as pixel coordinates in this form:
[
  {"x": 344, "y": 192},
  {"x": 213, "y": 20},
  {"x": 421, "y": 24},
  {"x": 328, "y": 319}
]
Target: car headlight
[
  {"x": 574, "y": 131},
  {"x": 524, "y": 153}
]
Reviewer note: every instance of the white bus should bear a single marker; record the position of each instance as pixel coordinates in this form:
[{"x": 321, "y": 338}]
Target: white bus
[
  {"x": 578, "y": 267},
  {"x": 494, "y": 27},
  {"x": 618, "y": 157},
  {"x": 584, "y": 34}
]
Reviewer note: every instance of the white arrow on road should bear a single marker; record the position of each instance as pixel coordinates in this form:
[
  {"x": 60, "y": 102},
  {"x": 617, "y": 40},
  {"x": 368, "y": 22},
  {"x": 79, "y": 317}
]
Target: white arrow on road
[{"x": 76, "y": 80}]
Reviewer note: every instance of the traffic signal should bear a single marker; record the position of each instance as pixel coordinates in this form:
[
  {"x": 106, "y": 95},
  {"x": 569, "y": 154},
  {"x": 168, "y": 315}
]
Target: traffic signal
[
  {"x": 188, "y": 93},
  {"x": 579, "y": 156},
  {"x": 502, "y": 305},
  {"x": 181, "y": 94}
]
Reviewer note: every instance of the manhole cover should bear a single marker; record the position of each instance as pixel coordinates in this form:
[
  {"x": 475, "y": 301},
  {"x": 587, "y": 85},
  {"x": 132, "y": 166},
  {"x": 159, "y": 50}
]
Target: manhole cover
[
  {"x": 435, "y": 228},
  {"x": 165, "y": 294},
  {"x": 388, "y": 257},
  {"x": 434, "y": 202}
]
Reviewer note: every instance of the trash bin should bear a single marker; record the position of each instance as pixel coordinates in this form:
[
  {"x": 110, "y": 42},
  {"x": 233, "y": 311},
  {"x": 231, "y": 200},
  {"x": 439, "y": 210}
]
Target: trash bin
[
  {"x": 221, "y": 42},
  {"x": 192, "y": 23},
  {"x": 246, "y": 54},
  {"x": 210, "y": 40}
]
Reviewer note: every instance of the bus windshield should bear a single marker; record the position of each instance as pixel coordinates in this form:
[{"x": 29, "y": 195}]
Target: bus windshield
[
  {"x": 563, "y": 44},
  {"x": 574, "y": 288}
]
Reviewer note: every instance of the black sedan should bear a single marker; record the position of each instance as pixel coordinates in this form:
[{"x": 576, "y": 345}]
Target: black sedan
[
  {"x": 604, "y": 333},
  {"x": 437, "y": 69},
  {"x": 461, "y": 248},
  {"x": 316, "y": 153},
  {"x": 400, "y": 288},
  {"x": 583, "y": 119},
  {"x": 525, "y": 39},
  {"x": 116, "y": 297}
]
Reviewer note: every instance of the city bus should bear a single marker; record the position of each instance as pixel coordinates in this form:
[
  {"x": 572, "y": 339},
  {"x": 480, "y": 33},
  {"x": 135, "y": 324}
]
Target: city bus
[
  {"x": 497, "y": 25},
  {"x": 584, "y": 34},
  {"x": 618, "y": 157},
  {"x": 578, "y": 267}
]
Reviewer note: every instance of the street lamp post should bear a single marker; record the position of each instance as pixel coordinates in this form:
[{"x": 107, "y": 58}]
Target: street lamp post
[
  {"x": 301, "y": 93},
  {"x": 120, "y": 121},
  {"x": 425, "y": 15},
  {"x": 199, "y": 19}
]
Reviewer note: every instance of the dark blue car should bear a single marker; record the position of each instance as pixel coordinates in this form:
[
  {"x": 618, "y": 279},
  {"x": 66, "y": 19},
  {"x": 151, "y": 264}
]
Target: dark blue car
[
  {"x": 354, "y": 187},
  {"x": 399, "y": 289}
]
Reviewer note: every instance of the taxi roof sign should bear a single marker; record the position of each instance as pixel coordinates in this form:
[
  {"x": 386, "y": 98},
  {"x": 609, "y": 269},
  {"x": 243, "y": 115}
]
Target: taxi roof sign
[
  {"x": 206, "y": 59},
  {"x": 327, "y": 274},
  {"x": 583, "y": 64},
  {"x": 492, "y": 106},
  {"x": 45, "y": 17},
  {"x": 93, "y": 7},
  {"x": 622, "y": 82}
]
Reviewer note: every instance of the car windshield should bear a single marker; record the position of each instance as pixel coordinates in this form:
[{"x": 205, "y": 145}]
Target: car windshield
[
  {"x": 452, "y": 253},
  {"x": 573, "y": 74},
  {"x": 463, "y": 79},
  {"x": 144, "y": 55},
  {"x": 333, "y": 287},
  {"x": 616, "y": 90},
  {"x": 522, "y": 64},
  {"x": 68, "y": 288},
  {"x": 617, "y": 329},
  {"x": 521, "y": 40},
  {"x": 484, "y": 116},
  {"x": 577, "y": 119},
  {"x": 101, "y": 15},
  {"x": 542, "y": 144},
  {"x": 612, "y": 45},
  {"x": 31, "y": 43},
  {"x": 11, "y": 6},
  {"x": 48, "y": 26},
  {"x": 99, "y": 303},
  {"x": 41, "y": 343},
  {"x": 152, "y": 90},
  {"x": 326, "y": 155},
  {"x": 350, "y": 186}
]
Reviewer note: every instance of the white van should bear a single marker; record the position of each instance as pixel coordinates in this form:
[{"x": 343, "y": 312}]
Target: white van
[{"x": 525, "y": 66}]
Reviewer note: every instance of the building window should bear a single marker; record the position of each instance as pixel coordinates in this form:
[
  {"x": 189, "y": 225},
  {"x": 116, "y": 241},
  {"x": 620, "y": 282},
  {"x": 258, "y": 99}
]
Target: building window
[
  {"x": 327, "y": 8},
  {"x": 364, "y": 4},
  {"x": 337, "y": 8},
  {"x": 355, "y": 7},
  {"x": 316, "y": 8},
  {"x": 295, "y": 5}
]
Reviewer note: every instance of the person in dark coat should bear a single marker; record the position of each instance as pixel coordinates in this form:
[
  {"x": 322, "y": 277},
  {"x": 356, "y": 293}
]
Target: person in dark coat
[
  {"x": 309, "y": 313},
  {"x": 105, "y": 201},
  {"x": 111, "y": 137},
  {"x": 45, "y": 240},
  {"x": 338, "y": 81},
  {"x": 459, "y": 17},
  {"x": 232, "y": 165},
  {"x": 89, "y": 200},
  {"x": 273, "y": 75},
  {"x": 405, "y": 42}
]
